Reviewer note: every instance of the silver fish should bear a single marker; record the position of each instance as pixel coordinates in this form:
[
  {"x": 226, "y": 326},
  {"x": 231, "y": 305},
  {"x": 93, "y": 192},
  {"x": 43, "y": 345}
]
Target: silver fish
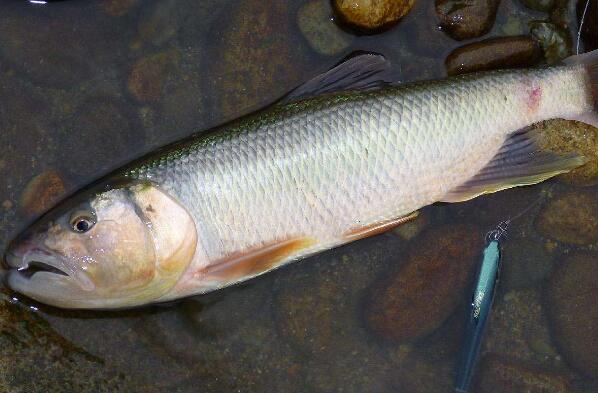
[{"x": 327, "y": 166}]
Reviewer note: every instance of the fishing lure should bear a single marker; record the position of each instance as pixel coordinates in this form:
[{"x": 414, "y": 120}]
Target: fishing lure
[{"x": 481, "y": 305}]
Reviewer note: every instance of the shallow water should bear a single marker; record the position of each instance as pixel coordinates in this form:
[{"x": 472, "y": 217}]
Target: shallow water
[{"x": 88, "y": 86}]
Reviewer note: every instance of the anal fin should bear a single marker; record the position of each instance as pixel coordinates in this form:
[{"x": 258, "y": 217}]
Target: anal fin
[
  {"x": 377, "y": 228},
  {"x": 519, "y": 162},
  {"x": 252, "y": 262}
]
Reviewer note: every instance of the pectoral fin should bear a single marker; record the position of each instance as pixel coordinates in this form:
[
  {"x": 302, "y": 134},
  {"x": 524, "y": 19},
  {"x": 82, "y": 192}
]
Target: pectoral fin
[
  {"x": 519, "y": 162},
  {"x": 255, "y": 261}
]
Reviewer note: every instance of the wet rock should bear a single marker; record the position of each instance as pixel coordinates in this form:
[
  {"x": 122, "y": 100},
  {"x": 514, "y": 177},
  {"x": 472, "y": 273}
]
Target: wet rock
[
  {"x": 42, "y": 192},
  {"x": 498, "y": 374},
  {"x": 53, "y": 47},
  {"x": 412, "y": 228},
  {"x": 107, "y": 121},
  {"x": 368, "y": 15},
  {"x": 527, "y": 262},
  {"x": 259, "y": 58},
  {"x": 160, "y": 21},
  {"x": 315, "y": 22},
  {"x": 117, "y": 7},
  {"x": 149, "y": 73},
  {"x": 566, "y": 136},
  {"x": 589, "y": 30},
  {"x": 518, "y": 328},
  {"x": 317, "y": 311},
  {"x": 554, "y": 40},
  {"x": 466, "y": 19},
  {"x": 571, "y": 218},
  {"x": 493, "y": 53},
  {"x": 421, "y": 295},
  {"x": 571, "y": 297},
  {"x": 35, "y": 358},
  {"x": 539, "y": 5}
]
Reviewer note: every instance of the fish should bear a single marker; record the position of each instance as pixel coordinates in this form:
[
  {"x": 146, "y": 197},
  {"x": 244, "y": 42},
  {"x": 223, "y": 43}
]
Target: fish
[{"x": 347, "y": 155}]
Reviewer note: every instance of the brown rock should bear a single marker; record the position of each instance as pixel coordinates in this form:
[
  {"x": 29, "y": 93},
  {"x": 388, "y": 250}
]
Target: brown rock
[
  {"x": 117, "y": 7},
  {"x": 566, "y": 136},
  {"x": 369, "y": 15},
  {"x": 498, "y": 375},
  {"x": 572, "y": 309},
  {"x": 148, "y": 75},
  {"x": 259, "y": 58},
  {"x": 493, "y": 53},
  {"x": 571, "y": 218},
  {"x": 462, "y": 20},
  {"x": 421, "y": 295},
  {"x": 42, "y": 192},
  {"x": 518, "y": 328}
]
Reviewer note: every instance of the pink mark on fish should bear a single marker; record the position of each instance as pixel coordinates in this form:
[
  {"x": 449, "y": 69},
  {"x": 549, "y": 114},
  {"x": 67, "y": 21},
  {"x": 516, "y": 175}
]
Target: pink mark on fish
[{"x": 533, "y": 96}]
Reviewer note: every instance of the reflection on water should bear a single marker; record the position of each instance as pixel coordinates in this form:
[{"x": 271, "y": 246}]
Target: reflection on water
[{"x": 87, "y": 86}]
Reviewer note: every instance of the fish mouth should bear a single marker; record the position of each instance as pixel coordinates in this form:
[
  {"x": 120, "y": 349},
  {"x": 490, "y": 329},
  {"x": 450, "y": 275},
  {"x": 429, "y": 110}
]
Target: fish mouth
[{"x": 33, "y": 262}]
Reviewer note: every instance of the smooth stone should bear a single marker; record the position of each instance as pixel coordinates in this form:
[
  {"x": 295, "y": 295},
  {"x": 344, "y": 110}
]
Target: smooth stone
[
  {"x": 527, "y": 262},
  {"x": 571, "y": 217},
  {"x": 371, "y": 15},
  {"x": 571, "y": 296},
  {"x": 498, "y": 374},
  {"x": 416, "y": 299},
  {"x": 315, "y": 22},
  {"x": 464, "y": 20},
  {"x": 493, "y": 53},
  {"x": 42, "y": 192}
]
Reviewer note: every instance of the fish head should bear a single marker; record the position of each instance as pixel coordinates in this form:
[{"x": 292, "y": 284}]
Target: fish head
[{"x": 117, "y": 248}]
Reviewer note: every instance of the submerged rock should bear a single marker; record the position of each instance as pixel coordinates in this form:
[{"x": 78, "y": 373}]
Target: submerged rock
[
  {"x": 553, "y": 39},
  {"x": 117, "y": 7},
  {"x": 317, "y": 311},
  {"x": 462, "y": 20},
  {"x": 315, "y": 22},
  {"x": 372, "y": 15},
  {"x": 493, "y": 53},
  {"x": 527, "y": 262},
  {"x": 42, "y": 192},
  {"x": 148, "y": 75},
  {"x": 258, "y": 60},
  {"x": 107, "y": 122},
  {"x": 565, "y": 137},
  {"x": 573, "y": 311},
  {"x": 498, "y": 374},
  {"x": 518, "y": 328},
  {"x": 571, "y": 218},
  {"x": 421, "y": 295},
  {"x": 539, "y": 5}
]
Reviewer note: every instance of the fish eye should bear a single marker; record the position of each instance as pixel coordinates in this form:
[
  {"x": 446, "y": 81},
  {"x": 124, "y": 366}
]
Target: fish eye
[{"x": 82, "y": 221}]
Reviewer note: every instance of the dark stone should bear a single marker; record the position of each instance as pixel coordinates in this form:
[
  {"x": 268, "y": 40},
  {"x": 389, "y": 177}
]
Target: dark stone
[
  {"x": 420, "y": 296},
  {"x": 497, "y": 375},
  {"x": 539, "y": 5},
  {"x": 573, "y": 311},
  {"x": 571, "y": 218},
  {"x": 493, "y": 53},
  {"x": 466, "y": 19}
]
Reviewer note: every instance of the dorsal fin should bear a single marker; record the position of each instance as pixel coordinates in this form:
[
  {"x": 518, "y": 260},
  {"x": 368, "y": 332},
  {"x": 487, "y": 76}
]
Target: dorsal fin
[
  {"x": 519, "y": 162},
  {"x": 357, "y": 72}
]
